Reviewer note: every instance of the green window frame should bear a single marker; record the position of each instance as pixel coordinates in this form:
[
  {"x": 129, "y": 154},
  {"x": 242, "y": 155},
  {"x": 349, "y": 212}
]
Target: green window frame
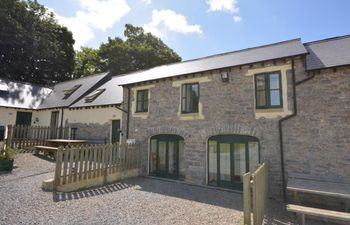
[
  {"x": 142, "y": 101},
  {"x": 268, "y": 90},
  {"x": 190, "y": 98}
]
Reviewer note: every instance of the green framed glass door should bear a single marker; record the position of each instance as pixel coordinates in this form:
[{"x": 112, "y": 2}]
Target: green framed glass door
[
  {"x": 224, "y": 162},
  {"x": 229, "y": 158},
  {"x": 165, "y": 156}
]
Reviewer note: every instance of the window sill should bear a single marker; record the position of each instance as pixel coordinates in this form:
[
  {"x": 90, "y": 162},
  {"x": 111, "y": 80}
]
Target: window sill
[
  {"x": 191, "y": 116},
  {"x": 264, "y": 110},
  {"x": 271, "y": 113},
  {"x": 143, "y": 115}
]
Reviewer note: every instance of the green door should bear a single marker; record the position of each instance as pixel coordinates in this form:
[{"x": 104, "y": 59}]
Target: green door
[
  {"x": 115, "y": 131},
  {"x": 24, "y": 118}
]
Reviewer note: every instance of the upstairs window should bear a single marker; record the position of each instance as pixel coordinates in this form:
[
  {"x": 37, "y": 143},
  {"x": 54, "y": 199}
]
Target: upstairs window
[
  {"x": 190, "y": 98},
  {"x": 268, "y": 90},
  {"x": 69, "y": 92},
  {"x": 91, "y": 97},
  {"x": 142, "y": 101}
]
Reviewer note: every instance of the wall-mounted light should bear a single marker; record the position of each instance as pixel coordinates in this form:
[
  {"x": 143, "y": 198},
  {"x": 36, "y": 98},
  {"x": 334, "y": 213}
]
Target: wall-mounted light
[{"x": 224, "y": 76}]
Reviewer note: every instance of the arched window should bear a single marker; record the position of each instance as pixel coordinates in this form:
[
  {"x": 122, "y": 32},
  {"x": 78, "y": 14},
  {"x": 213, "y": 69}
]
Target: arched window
[
  {"x": 167, "y": 156},
  {"x": 229, "y": 157}
]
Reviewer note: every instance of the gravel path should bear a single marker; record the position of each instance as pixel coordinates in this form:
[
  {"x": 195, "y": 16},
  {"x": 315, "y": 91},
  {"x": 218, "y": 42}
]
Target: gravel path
[{"x": 133, "y": 201}]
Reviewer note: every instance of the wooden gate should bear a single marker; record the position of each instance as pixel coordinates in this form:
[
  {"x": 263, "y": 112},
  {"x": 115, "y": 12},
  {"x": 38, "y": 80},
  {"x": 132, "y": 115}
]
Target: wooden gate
[{"x": 255, "y": 187}]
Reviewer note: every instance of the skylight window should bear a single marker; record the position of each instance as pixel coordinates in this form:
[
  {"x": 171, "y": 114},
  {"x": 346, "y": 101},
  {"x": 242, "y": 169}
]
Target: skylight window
[
  {"x": 91, "y": 97},
  {"x": 69, "y": 92}
]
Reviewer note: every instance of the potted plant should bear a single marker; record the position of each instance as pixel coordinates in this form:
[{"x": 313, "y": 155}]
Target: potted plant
[{"x": 6, "y": 159}]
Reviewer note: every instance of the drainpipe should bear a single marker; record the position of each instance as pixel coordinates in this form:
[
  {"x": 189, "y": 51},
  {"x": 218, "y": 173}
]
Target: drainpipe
[
  {"x": 128, "y": 115},
  {"x": 295, "y": 111}
]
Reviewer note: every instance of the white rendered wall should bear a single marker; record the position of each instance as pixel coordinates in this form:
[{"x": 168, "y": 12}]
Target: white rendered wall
[
  {"x": 8, "y": 115},
  {"x": 43, "y": 117},
  {"x": 92, "y": 115}
]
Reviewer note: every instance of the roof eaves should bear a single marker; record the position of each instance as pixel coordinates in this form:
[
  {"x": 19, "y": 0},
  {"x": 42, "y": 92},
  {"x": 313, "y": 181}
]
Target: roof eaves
[
  {"x": 329, "y": 67},
  {"x": 326, "y": 40},
  {"x": 203, "y": 71}
]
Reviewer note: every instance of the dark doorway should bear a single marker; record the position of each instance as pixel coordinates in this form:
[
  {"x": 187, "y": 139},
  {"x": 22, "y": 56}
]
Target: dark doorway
[
  {"x": 166, "y": 156},
  {"x": 115, "y": 131},
  {"x": 54, "y": 124},
  {"x": 54, "y": 119},
  {"x": 229, "y": 158},
  {"x": 24, "y": 118}
]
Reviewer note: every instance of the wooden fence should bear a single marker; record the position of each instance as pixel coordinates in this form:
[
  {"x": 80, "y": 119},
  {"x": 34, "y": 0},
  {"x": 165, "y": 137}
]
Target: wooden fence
[
  {"x": 27, "y": 136},
  {"x": 255, "y": 187},
  {"x": 95, "y": 165}
]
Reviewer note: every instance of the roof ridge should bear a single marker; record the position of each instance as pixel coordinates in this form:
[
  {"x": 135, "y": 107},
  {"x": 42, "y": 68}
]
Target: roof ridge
[
  {"x": 245, "y": 49},
  {"x": 211, "y": 56},
  {"x": 82, "y": 78},
  {"x": 327, "y": 39}
]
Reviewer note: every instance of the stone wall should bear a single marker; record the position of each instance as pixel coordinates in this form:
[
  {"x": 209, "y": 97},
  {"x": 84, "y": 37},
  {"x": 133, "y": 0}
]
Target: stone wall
[
  {"x": 95, "y": 133},
  {"x": 227, "y": 108},
  {"x": 317, "y": 140}
]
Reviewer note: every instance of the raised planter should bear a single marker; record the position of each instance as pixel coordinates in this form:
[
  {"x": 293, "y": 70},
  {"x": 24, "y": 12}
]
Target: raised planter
[{"x": 6, "y": 165}]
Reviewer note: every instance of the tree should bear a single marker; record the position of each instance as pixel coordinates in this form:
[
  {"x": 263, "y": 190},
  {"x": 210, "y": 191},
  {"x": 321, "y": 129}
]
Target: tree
[
  {"x": 33, "y": 46},
  {"x": 88, "y": 62},
  {"x": 139, "y": 51}
]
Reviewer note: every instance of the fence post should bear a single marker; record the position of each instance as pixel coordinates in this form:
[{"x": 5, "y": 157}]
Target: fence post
[
  {"x": 104, "y": 164},
  {"x": 247, "y": 198},
  {"x": 9, "y": 136},
  {"x": 57, "y": 179}
]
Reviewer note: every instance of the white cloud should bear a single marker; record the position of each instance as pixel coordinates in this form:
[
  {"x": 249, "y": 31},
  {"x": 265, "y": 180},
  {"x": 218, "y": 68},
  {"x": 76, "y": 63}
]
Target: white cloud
[
  {"x": 148, "y": 2},
  {"x": 168, "y": 20},
  {"x": 237, "y": 19},
  {"x": 223, "y": 5},
  {"x": 94, "y": 14}
]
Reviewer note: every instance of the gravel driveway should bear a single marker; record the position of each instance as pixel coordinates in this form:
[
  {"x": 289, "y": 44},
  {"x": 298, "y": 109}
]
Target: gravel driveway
[{"x": 133, "y": 201}]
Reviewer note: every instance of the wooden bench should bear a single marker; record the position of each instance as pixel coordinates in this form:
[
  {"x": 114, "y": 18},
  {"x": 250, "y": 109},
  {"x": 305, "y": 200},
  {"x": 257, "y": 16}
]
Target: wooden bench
[
  {"x": 46, "y": 149},
  {"x": 337, "y": 190},
  {"x": 321, "y": 213}
]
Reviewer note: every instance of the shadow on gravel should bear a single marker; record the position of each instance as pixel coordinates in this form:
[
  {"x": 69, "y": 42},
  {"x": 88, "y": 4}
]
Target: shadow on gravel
[
  {"x": 60, "y": 196},
  {"x": 221, "y": 198},
  {"x": 45, "y": 158}
]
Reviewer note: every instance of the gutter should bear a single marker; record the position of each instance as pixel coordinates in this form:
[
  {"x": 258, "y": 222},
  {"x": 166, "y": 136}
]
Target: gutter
[{"x": 295, "y": 112}]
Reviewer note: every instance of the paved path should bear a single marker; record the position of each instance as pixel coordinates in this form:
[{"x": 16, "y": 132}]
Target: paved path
[{"x": 133, "y": 201}]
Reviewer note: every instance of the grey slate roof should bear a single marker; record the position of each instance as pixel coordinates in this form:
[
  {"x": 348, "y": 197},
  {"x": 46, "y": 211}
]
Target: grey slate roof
[
  {"x": 327, "y": 53},
  {"x": 55, "y": 99},
  {"x": 112, "y": 95},
  {"x": 246, "y": 56},
  {"x": 22, "y": 95}
]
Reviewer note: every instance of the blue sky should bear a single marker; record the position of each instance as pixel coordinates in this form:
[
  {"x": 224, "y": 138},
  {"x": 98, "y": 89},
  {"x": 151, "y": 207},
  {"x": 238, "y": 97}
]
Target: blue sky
[{"x": 195, "y": 28}]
